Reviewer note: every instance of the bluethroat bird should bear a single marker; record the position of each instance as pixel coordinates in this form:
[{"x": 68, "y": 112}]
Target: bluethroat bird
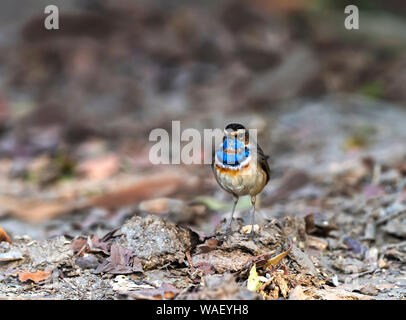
[{"x": 240, "y": 168}]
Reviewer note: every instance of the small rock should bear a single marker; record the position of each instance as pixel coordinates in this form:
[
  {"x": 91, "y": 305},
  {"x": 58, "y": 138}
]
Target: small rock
[
  {"x": 156, "y": 241},
  {"x": 247, "y": 229},
  {"x": 350, "y": 265},
  {"x": 88, "y": 261},
  {"x": 371, "y": 255},
  {"x": 10, "y": 256},
  {"x": 369, "y": 289},
  {"x": 305, "y": 265}
]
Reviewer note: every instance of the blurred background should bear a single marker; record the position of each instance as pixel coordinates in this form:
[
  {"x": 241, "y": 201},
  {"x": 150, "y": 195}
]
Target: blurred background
[{"x": 77, "y": 106}]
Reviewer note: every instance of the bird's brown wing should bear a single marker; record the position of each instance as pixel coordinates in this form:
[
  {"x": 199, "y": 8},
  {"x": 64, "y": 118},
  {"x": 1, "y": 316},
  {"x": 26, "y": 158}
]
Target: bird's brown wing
[
  {"x": 263, "y": 162},
  {"x": 213, "y": 154}
]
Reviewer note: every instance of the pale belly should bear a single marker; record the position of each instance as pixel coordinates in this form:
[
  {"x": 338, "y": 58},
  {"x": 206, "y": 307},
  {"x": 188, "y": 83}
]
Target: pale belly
[{"x": 249, "y": 181}]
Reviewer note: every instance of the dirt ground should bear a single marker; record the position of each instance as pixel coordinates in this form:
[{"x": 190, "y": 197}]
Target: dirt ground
[{"x": 344, "y": 220}]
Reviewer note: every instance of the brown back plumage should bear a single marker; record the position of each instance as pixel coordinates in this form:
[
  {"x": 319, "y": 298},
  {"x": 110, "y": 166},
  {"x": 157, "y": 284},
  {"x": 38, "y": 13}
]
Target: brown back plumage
[{"x": 263, "y": 162}]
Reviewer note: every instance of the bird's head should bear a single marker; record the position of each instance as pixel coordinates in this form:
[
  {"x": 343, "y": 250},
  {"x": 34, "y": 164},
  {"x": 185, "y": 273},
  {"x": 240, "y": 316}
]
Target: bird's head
[{"x": 236, "y": 131}]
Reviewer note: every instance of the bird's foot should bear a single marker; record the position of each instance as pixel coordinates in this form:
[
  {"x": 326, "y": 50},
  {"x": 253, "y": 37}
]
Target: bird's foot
[
  {"x": 227, "y": 234},
  {"x": 250, "y": 236}
]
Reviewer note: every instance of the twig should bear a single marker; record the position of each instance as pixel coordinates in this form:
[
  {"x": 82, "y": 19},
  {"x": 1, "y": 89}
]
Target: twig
[
  {"x": 360, "y": 274},
  {"x": 390, "y": 217},
  {"x": 73, "y": 287}
]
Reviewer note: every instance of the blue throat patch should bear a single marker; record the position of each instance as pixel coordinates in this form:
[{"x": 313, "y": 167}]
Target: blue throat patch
[{"x": 232, "y": 159}]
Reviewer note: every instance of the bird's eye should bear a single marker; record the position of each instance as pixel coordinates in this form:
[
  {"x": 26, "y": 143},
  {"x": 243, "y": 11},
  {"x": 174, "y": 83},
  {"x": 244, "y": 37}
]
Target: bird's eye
[{"x": 241, "y": 136}]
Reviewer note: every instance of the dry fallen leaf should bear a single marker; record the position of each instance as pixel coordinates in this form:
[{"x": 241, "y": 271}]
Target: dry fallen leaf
[
  {"x": 282, "y": 284},
  {"x": 159, "y": 185},
  {"x": 36, "y": 276},
  {"x": 99, "y": 168},
  {"x": 253, "y": 280},
  {"x": 121, "y": 261},
  {"x": 208, "y": 245},
  {"x": 275, "y": 260},
  {"x": 78, "y": 243},
  {"x": 34, "y": 210},
  {"x": 4, "y": 236}
]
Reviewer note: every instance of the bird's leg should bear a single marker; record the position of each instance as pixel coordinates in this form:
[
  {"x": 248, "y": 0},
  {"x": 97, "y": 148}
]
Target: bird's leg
[
  {"x": 228, "y": 227},
  {"x": 253, "y": 199}
]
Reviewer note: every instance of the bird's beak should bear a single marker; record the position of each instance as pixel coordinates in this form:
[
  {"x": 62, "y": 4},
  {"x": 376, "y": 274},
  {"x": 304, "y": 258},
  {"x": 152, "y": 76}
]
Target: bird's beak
[{"x": 228, "y": 133}]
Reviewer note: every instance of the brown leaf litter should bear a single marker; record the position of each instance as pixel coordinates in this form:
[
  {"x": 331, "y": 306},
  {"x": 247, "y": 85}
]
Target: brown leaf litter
[
  {"x": 150, "y": 243},
  {"x": 237, "y": 254},
  {"x": 4, "y": 236},
  {"x": 274, "y": 261},
  {"x": 121, "y": 261},
  {"x": 36, "y": 276},
  {"x": 159, "y": 185}
]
